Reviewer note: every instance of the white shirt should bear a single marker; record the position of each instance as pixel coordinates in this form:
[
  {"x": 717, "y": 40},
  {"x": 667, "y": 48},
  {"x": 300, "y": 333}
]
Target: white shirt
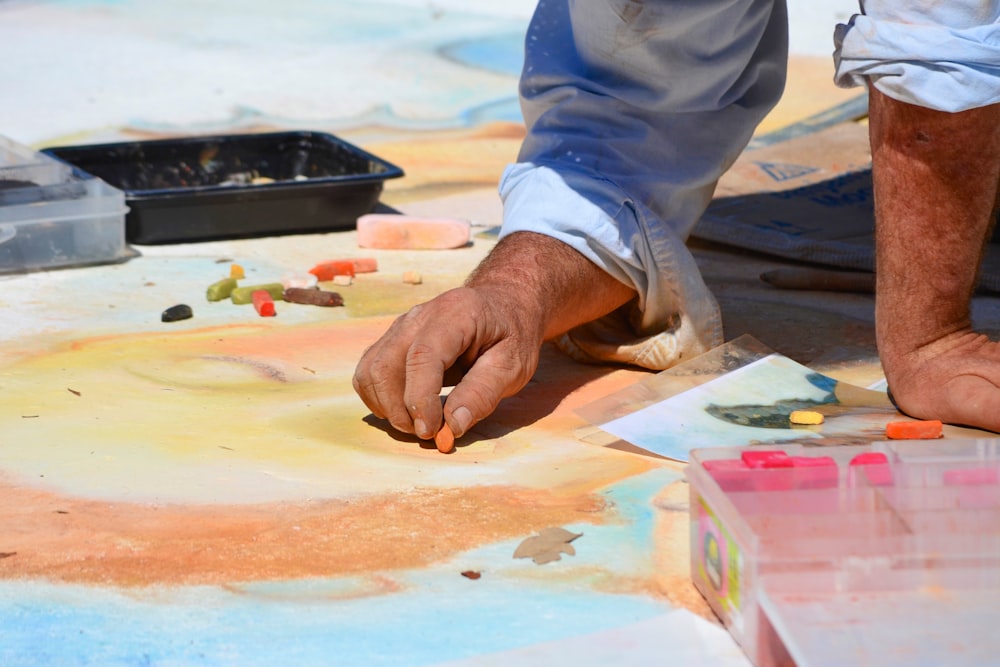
[{"x": 635, "y": 109}]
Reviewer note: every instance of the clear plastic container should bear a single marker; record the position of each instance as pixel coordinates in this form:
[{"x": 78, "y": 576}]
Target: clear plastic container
[
  {"x": 850, "y": 555},
  {"x": 53, "y": 216}
]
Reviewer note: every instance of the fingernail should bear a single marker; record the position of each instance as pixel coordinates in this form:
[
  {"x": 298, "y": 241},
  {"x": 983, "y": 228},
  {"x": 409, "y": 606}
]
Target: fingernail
[
  {"x": 462, "y": 419},
  {"x": 421, "y": 429}
]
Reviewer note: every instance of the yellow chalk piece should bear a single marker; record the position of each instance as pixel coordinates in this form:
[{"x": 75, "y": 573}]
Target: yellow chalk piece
[
  {"x": 412, "y": 278},
  {"x": 236, "y": 272},
  {"x": 805, "y": 417}
]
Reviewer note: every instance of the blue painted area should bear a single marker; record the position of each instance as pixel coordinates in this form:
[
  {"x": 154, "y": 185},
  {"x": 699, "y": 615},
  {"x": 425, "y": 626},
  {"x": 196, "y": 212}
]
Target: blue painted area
[
  {"x": 316, "y": 64},
  {"x": 503, "y": 54},
  {"x": 446, "y": 617},
  {"x": 436, "y": 615}
]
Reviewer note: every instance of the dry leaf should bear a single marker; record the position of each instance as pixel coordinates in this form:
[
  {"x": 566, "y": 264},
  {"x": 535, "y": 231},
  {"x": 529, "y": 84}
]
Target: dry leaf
[{"x": 547, "y": 546}]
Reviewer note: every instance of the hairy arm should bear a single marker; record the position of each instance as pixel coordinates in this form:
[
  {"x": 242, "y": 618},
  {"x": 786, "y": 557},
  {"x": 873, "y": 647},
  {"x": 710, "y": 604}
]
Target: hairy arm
[
  {"x": 485, "y": 336},
  {"x": 936, "y": 176}
]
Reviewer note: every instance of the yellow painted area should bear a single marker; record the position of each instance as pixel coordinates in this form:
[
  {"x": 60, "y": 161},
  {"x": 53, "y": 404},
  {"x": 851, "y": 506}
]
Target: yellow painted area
[{"x": 250, "y": 413}]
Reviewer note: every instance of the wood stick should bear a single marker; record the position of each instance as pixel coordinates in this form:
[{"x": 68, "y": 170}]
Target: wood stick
[{"x": 802, "y": 278}]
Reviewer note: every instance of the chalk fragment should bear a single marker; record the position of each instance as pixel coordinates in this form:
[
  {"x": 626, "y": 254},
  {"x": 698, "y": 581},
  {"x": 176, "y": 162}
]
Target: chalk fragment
[
  {"x": 343, "y": 281},
  {"x": 300, "y": 280},
  {"x": 313, "y": 297},
  {"x": 914, "y": 430},
  {"x": 547, "y": 545},
  {"x": 220, "y": 290},
  {"x": 805, "y": 417},
  {"x": 365, "y": 264},
  {"x": 412, "y": 278},
  {"x": 236, "y": 272},
  {"x": 181, "y": 311},
  {"x": 263, "y": 303},
  {"x": 445, "y": 440},
  {"x": 325, "y": 271},
  {"x": 405, "y": 232},
  {"x": 244, "y": 295},
  {"x": 872, "y": 467},
  {"x": 766, "y": 458}
]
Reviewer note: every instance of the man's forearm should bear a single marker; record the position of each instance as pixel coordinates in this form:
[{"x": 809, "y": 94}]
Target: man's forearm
[
  {"x": 936, "y": 177},
  {"x": 554, "y": 282}
]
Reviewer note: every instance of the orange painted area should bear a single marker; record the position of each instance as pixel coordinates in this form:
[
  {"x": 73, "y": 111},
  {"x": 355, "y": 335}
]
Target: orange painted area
[
  {"x": 67, "y": 539},
  {"x": 240, "y": 453}
]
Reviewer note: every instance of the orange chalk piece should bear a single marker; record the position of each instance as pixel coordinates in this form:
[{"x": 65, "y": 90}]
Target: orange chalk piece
[
  {"x": 914, "y": 430},
  {"x": 365, "y": 265},
  {"x": 445, "y": 440},
  {"x": 236, "y": 272},
  {"x": 263, "y": 303},
  {"x": 325, "y": 271},
  {"x": 405, "y": 232}
]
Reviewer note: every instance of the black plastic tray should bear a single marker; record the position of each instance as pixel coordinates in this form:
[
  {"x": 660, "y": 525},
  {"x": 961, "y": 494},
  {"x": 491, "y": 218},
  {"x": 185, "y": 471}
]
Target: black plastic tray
[{"x": 236, "y": 186}]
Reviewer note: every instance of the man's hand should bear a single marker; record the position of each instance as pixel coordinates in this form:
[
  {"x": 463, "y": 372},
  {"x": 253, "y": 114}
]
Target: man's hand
[
  {"x": 935, "y": 177},
  {"x": 485, "y": 337}
]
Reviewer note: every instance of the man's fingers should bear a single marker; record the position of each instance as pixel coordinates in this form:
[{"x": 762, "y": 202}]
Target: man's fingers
[
  {"x": 377, "y": 378},
  {"x": 499, "y": 373}
]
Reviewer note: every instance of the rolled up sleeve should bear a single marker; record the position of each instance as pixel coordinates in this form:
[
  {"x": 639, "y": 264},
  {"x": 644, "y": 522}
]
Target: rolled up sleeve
[
  {"x": 634, "y": 111},
  {"x": 942, "y": 55}
]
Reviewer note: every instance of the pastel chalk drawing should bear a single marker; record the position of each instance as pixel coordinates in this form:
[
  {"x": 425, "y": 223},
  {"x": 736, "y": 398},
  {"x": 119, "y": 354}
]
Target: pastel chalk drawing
[
  {"x": 754, "y": 404},
  {"x": 232, "y": 468}
]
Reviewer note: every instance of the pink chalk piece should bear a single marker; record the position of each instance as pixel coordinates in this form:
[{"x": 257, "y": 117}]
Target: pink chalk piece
[
  {"x": 870, "y": 458},
  {"x": 405, "y": 232},
  {"x": 875, "y": 466},
  {"x": 812, "y": 461},
  {"x": 766, "y": 458}
]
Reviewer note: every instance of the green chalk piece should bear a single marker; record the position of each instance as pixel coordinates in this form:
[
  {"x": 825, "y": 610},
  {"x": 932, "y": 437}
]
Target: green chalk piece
[
  {"x": 244, "y": 295},
  {"x": 221, "y": 290}
]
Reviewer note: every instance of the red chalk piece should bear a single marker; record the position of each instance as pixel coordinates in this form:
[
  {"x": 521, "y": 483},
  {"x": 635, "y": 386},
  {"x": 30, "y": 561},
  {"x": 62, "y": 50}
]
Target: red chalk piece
[
  {"x": 390, "y": 231},
  {"x": 325, "y": 271},
  {"x": 263, "y": 303},
  {"x": 914, "y": 430}
]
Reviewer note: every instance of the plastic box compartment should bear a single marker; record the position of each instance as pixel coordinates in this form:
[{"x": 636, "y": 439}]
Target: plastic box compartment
[
  {"x": 886, "y": 554},
  {"x": 236, "y": 186},
  {"x": 53, "y": 216}
]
